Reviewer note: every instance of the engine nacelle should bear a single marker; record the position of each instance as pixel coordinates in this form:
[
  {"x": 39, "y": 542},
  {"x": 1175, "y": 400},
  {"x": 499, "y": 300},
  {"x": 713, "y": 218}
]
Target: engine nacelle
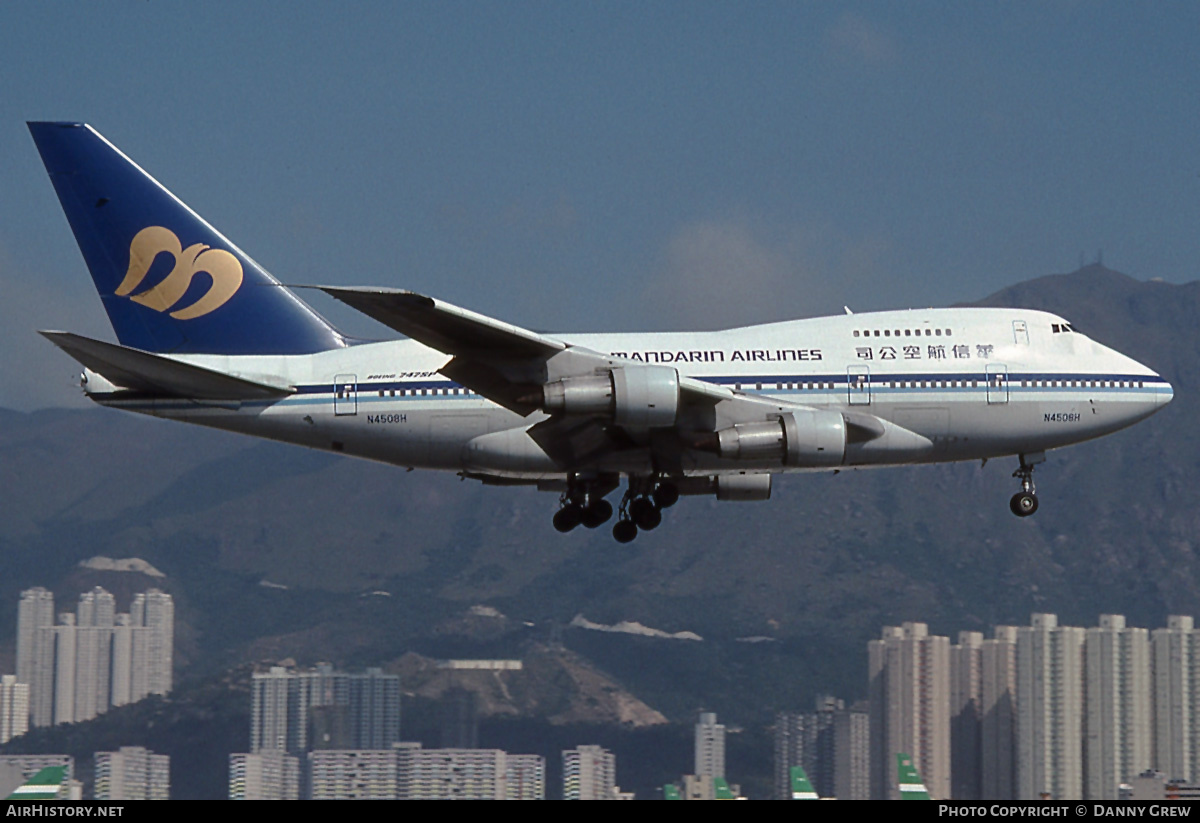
[
  {"x": 642, "y": 397},
  {"x": 579, "y": 395},
  {"x": 743, "y": 487},
  {"x": 801, "y": 438}
]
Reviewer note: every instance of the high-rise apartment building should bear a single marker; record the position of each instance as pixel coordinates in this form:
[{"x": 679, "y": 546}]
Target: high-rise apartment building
[
  {"x": 132, "y": 773},
  {"x": 1049, "y": 710},
  {"x": 265, "y": 775},
  {"x": 296, "y": 712},
  {"x": 831, "y": 744},
  {"x": 526, "y": 777},
  {"x": 589, "y": 773},
  {"x": 910, "y": 707},
  {"x": 35, "y": 613},
  {"x": 1175, "y": 658},
  {"x": 154, "y": 611},
  {"x": 14, "y": 708},
  {"x": 95, "y": 620},
  {"x": 406, "y": 771},
  {"x": 1117, "y": 706},
  {"x": 457, "y": 774},
  {"x": 359, "y": 774},
  {"x": 95, "y": 658},
  {"x": 462, "y": 774},
  {"x": 852, "y": 753},
  {"x": 966, "y": 706},
  {"x": 64, "y": 647},
  {"x": 997, "y": 722},
  {"x": 710, "y": 746}
]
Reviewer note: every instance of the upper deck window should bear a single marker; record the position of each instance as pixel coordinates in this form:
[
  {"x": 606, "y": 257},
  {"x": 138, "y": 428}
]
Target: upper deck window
[{"x": 909, "y": 332}]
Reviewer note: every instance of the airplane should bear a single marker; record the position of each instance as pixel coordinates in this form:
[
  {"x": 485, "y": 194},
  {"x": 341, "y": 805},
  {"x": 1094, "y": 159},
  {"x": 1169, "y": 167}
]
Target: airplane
[
  {"x": 207, "y": 336},
  {"x": 45, "y": 785},
  {"x": 910, "y": 783}
]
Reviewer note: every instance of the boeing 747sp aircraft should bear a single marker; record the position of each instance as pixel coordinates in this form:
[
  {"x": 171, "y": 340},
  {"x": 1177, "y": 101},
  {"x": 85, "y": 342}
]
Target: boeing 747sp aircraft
[{"x": 207, "y": 336}]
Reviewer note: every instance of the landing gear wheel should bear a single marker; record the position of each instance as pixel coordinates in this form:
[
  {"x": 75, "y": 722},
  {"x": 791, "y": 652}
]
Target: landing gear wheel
[
  {"x": 624, "y": 531},
  {"x": 1023, "y": 504},
  {"x": 666, "y": 495},
  {"x": 597, "y": 514},
  {"x": 645, "y": 514},
  {"x": 568, "y": 517}
]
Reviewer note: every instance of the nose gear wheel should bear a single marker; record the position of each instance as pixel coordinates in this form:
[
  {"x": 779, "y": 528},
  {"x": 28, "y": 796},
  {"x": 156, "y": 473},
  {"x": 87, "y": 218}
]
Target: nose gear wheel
[{"x": 1025, "y": 502}]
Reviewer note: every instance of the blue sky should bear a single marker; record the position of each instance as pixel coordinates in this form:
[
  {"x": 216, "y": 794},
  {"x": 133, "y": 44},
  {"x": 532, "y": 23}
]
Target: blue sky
[{"x": 630, "y": 166}]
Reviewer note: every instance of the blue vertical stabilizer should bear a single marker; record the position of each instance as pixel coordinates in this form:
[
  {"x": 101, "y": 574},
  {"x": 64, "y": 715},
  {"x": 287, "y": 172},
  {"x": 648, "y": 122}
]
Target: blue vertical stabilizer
[{"x": 169, "y": 281}]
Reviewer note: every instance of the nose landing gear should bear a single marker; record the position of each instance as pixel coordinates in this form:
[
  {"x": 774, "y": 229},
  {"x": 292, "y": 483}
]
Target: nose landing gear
[{"x": 1025, "y": 502}]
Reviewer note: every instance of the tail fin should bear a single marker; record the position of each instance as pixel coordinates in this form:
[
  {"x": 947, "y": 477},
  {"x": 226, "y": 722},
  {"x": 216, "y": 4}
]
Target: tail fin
[
  {"x": 144, "y": 248},
  {"x": 45, "y": 785},
  {"x": 911, "y": 785},
  {"x": 802, "y": 789}
]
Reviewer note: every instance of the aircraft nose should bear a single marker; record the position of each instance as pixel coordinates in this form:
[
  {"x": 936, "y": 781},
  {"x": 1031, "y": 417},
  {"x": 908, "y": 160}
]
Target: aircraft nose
[{"x": 1165, "y": 393}]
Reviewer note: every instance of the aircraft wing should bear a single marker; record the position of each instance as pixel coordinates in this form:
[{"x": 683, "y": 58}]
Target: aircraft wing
[
  {"x": 445, "y": 327},
  {"x": 510, "y": 365},
  {"x": 154, "y": 374},
  {"x": 497, "y": 360}
]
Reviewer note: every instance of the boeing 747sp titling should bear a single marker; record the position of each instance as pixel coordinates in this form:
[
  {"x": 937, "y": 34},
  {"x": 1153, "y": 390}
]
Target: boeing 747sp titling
[{"x": 207, "y": 336}]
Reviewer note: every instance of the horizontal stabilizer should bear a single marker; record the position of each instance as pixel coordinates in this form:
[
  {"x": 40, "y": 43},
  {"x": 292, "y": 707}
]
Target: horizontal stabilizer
[
  {"x": 446, "y": 328},
  {"x": 155, "y": 374}
]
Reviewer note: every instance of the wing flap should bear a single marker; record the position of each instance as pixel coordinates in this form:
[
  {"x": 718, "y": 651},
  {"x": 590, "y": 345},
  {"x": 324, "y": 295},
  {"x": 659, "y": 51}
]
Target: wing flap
[
  {"x": 141, "y": 371},
  {"x": 488, "y": 381}
]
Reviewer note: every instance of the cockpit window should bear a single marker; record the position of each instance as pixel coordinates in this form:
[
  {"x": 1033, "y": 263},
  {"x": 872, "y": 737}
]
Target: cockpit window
[{"x": 1059, "y": 328}]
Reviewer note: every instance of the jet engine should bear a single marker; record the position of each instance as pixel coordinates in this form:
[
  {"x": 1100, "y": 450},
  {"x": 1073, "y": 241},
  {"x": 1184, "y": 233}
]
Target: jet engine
[
  {"x": 642, "y": 397},
  {"x": 800, "y": 438}
]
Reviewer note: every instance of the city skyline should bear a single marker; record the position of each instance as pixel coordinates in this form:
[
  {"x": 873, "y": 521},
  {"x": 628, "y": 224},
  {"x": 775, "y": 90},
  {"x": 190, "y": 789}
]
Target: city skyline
[
  {"x": 1080, "y": 703},
  {"x": 1037, "y": 711}
]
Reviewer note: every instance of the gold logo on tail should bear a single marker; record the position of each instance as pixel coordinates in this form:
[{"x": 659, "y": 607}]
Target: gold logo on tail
[{"x": 223, "y": 267}]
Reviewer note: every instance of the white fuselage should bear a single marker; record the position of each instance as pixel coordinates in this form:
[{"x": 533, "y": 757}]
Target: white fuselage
[{"x": 972, "y": 383}]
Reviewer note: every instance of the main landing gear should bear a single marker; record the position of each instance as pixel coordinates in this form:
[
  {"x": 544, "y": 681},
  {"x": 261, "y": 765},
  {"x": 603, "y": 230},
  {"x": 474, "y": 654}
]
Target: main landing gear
[
  {"x": 641, "y": 508},
  {"x": 642, "y": 505},
  {"x": 584, "y": 503},
  {"x": 589, "y": 511},
  {"x": 1025, "y": 502}
]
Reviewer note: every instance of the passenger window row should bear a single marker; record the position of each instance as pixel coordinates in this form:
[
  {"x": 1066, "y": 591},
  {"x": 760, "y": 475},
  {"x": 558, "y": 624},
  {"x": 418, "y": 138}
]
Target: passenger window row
[{"x": 899, "y": 333}]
